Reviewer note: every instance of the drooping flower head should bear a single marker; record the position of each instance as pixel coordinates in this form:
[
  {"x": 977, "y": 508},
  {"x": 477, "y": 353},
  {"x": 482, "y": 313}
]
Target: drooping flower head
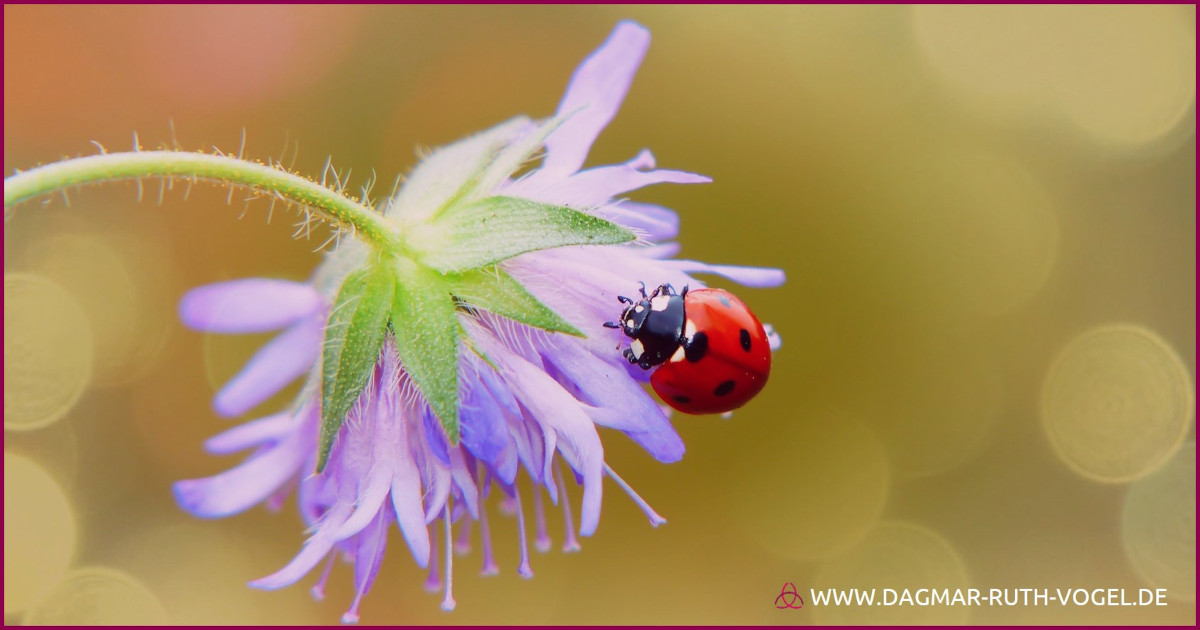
[{"x": 469, "y": 357}]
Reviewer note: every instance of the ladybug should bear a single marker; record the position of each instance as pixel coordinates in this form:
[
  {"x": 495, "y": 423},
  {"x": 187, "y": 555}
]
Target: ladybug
[{"x": 711, "y": 352}]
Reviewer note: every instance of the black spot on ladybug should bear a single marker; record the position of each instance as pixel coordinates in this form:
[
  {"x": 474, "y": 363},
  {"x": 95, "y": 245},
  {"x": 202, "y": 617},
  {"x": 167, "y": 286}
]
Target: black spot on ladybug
[
  {"x": 744, "y": 337},
  {"x": 725, "y": 302},
  {"x": 697, "y": 348},
  {"x": 683, "y": 400},
  {"x": 724, "y": 388}
]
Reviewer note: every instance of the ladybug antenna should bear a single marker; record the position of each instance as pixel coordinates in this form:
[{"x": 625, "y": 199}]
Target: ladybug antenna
[
  {"x": 642, "y": 288},
  {"x": 624, "y": 300},
  {"x": 611, "y": 325}
]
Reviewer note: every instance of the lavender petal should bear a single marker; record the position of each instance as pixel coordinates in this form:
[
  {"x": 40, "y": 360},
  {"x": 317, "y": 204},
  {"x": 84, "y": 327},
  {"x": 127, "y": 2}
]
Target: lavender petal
[
  {"x": 372, "y": 542},
  {"x": 242, "y": 486},
  {"x": 250, "y": 434},
  {"x": 748, "y": 276},
  {"x": 596, "y": 186},
  {"x": 593, "y": 97},
  {"x": 314, "y": 550},
  {"x": 281, "y": 361},
  {"x": 248, "y": 306},
  {"x": 654, "y": 223},
  {"x": 619, "y": 402},
  {"x": 555, "y": 408}
]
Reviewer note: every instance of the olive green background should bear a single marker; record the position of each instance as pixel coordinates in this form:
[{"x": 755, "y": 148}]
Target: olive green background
[{"x": 956, "y": 195}]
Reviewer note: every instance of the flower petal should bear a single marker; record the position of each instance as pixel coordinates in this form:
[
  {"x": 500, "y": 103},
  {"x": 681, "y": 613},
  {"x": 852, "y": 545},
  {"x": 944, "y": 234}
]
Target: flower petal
[
  {"x": 371, "y": 493},
  {"x": 620, "y": 403},
  {"x": 434, "y": 438},
  {"x": 248, "y": 306},
  {"x": 654, "y": 223},
  {"x": 372, "y": 542},
  {"x": 316, "y": 548},
  {"x": 484, "y": 431},
  {"x": 598, "y": 185},
  {"x": 593, "y": 97},
  {"x": 242, "y": 486},
  {"x": 552, "y": 406},
  {"x": 436, "y": 479},
  {"x": 392, "y": 444},
  {"x": 748, "y": 276},
  {"x": 276, "y": 364},
  {"x": 250, "y": 434},
  {"x": 506, "y": 465},
  {"x": 662, "y": 250},
  {"x": 465, "y": 481}
]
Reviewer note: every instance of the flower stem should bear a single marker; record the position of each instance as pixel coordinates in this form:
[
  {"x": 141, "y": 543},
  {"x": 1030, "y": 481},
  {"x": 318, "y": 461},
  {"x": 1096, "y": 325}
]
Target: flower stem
[{"x": 332, "y": 206}]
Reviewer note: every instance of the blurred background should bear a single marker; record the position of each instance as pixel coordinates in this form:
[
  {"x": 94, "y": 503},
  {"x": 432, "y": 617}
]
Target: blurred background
[{"x": 986, "y": 215}]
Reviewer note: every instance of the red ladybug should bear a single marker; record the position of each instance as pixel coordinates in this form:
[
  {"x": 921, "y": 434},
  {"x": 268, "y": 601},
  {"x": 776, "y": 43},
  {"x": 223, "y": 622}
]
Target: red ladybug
[{"x": 712, "y": 353}]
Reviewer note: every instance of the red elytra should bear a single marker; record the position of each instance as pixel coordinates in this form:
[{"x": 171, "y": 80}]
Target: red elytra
[
  {"x": 712, "y": 353},
  {"x": 735, "y": 366}
]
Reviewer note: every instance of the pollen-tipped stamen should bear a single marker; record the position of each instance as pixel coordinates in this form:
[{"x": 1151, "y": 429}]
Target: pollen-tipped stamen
[
  {"x": 462, "y": 541},
  {"x": 433, "y": 582},
  {"x": 570, "y": 542},
  {"x": 485, "y": 534},
  {"x": 351, "y": 615},
  {"x": 542, "y": 541},
  {"x": 524, "y": 570},
  {"x": 318, "y": 589},
  {"x": 655, "y": 518},
  {"x": 448, "y": 603}
]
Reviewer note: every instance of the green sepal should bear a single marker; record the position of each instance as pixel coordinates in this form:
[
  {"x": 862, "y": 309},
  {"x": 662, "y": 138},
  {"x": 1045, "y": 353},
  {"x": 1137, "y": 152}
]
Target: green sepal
[
  {"x": 484, "y": 232},
  {"x": 492, "y": 289},
  {"x": 426, "y": 327},
  {"x": 353, "y": 336}
]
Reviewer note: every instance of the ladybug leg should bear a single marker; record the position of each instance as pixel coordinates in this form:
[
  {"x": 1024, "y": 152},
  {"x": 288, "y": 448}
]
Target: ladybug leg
[
  {"x": 628, "y": 354},
  {"x": 624, "y": 300},
  {"x": 683, "y": 293},
  {"x": 611, "y": 325}
]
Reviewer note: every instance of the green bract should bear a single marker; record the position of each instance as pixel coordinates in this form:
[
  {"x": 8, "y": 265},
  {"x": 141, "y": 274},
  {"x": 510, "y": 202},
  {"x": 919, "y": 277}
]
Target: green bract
[
  {"x": 479, "y": 233},
  {"x": 425, "y": 324},
  {"x": 353, "y": 337},
  {"x": 443, "y": 264},
  {"x": 492, "y": 289}
]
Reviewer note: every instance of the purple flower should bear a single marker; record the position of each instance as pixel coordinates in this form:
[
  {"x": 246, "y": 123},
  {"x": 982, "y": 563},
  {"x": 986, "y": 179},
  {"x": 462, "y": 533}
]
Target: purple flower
[{"x": 532, "y": 405}]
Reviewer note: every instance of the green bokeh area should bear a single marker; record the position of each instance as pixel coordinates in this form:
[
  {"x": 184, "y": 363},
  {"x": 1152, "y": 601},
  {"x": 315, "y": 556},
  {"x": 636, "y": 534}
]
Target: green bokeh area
[{"x": 986, "y": 216}]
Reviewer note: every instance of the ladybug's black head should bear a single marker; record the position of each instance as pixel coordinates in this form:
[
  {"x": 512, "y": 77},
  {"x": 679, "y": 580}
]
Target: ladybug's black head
[
  {"x": 634, "y": 318},
  {"x": 654, "y": 324}
]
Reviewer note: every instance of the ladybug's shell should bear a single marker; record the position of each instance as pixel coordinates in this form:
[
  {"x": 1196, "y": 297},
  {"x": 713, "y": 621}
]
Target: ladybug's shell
[{"x": 732, "y": 370}]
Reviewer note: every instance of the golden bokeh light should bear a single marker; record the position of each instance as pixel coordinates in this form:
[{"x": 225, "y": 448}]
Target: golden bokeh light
[
  {"x": 1117, "y": 403},
  {"x": 1125, "y": 75},
  {"x": 219, "y": 564},
  {"x": 121, "y": 280},
  {"x": 896, "y": 555},
  {"x": 816, "y": 470},
  {"x": 98, "y": 596},
  {"x": 39, "y": 533},
  {"x": 47, "y": 351},
  {"x": 982, "y": 233},
  {"x": 1131, "y": 72},
  {"x": 1158, "y": 526},
  {"x": 962, "y": 198},
  {"x": 936, "y": 405}
]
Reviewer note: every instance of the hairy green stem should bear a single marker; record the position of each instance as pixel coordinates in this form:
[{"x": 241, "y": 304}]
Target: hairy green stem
[{"x": 332, "y": 206}]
